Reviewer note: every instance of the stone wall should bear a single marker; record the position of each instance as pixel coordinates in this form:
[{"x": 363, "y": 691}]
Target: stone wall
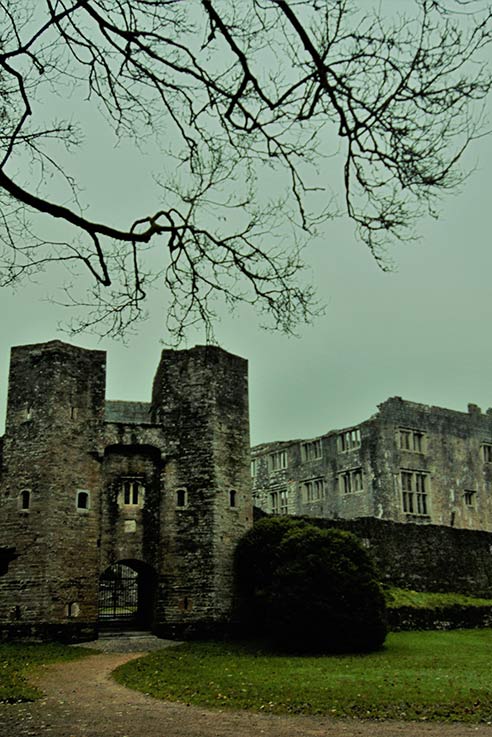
[
  {"x": 425, "y": 557},
  {"x": 408, "y": 463},
  {"x": 53, "y": 435}
]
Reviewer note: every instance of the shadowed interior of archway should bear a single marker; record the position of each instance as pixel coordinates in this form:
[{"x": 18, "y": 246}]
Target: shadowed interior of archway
[{"x": 127, "y": 595}]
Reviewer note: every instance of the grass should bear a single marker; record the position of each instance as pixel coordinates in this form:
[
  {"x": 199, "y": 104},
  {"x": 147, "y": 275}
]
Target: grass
[
  {"x": 417, "y": 676},
  {"x": 396, "y": 598},
  {"x": 18, "y": 661}
]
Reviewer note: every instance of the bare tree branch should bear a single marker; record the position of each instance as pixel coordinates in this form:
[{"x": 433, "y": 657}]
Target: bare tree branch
[{"x": 239, "y": 95}]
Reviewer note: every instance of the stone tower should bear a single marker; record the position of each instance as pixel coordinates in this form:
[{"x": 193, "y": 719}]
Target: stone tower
[{"x": 95, "y": 493}]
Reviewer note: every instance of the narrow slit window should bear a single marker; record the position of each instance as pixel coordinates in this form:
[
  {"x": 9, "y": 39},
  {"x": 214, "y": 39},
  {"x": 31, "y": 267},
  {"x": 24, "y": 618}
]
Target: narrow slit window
[
  {"x": 232, "y": 497},
  {"x": 25, "y": 500}
]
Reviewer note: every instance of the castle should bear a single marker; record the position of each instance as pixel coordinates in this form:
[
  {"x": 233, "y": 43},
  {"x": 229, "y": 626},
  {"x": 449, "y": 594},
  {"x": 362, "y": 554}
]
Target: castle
[
  {"x": 408, "y": 463},
  {"x": 128, "y": 513},
  {"x": 121, "y": 512}
]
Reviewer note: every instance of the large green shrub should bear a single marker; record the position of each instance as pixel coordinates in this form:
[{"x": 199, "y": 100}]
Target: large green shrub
[{"x": 309, "y": 589}]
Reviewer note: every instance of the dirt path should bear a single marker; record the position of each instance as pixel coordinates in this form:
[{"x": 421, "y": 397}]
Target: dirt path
[{"x": 82, "y": 700}]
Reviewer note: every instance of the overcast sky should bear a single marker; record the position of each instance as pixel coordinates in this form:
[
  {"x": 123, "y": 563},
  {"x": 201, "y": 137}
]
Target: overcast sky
[{"x": 422, "y": 333}]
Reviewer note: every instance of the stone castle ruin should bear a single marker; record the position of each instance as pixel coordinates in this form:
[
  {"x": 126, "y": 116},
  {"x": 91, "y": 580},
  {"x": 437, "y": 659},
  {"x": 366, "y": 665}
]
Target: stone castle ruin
[{"x": 121, "y": 512}]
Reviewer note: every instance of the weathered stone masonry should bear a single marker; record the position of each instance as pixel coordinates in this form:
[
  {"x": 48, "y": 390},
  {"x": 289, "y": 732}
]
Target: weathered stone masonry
[
  {"x": 163, "y": 487},
  {"x": 408, "y": 463}
]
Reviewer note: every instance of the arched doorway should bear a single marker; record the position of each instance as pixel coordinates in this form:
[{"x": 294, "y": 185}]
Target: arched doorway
[{"x": 127, "y": 595}]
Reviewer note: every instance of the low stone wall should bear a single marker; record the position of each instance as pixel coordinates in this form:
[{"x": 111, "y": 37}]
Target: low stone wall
[
  {"x": 442, "y": 618},
  {"x": 48, "y": 632},
  {"x": 424, "y": 557}
]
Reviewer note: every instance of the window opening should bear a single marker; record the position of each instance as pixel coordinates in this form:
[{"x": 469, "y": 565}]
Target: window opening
[
  {"x": 348, "y": 440},
  {"x": 284, "y": 502},
  {"x": 25, "y": 500},
  {"x": 412, "y": 440},
  {"x": 414, "y": 487},
  {"x": 279, "y": 502},
  {"x": 487, "y": 452},
  {"x": 469, "y": 497},
  {"x": 278, "y": 460},
  {"x": 181, "y": 497},
  {"x": 82, "y": 500},
  {"x": 132, "y": 492},
  {"x": 313, "y": 490},
  {"x": 232, "y": 497},
  {"x": 311, "y": 450},
  {"x": 351, "y": 481}
]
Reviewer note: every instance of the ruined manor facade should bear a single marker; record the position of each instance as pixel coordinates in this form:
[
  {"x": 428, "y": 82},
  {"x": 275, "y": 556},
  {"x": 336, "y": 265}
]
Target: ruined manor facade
[
  {"x": 114, "y": 511},
  {"x": 408, "y": 463}
]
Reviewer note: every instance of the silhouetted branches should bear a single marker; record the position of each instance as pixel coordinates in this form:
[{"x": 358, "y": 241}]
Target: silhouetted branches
[{"x": 243, "y": 98}]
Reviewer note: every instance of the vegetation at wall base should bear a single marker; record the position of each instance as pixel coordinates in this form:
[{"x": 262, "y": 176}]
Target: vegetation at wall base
[
  {"x": 308, "y": 590},
  {"x": 18, "y": 661},
  {"x": 396, "y": 598},
  {"x": 440, "y": 676}
]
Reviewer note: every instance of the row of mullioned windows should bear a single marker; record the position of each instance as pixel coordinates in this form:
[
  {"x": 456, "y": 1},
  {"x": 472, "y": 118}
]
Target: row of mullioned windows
[{"x": 414, "y": 441}]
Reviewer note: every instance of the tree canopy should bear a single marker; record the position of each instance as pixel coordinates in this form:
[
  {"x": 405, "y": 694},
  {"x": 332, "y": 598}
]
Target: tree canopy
[
  {"x": 307, "y": 588},
  {"x": 244, "y": 100}
]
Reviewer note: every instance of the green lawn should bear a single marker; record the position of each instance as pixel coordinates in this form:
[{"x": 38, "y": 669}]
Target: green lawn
[
  {"x": 417, "y": 676},
  {"x": 17, "y": 661}
]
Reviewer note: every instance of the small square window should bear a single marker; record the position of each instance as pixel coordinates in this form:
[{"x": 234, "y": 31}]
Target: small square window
[
  {"x": 469, "y": 498},
  {"x": 82, "y": 500}
]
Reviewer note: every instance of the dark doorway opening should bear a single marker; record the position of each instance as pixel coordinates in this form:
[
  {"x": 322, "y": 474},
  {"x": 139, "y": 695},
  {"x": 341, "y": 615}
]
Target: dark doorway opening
[{"x": 127, "y": 595}]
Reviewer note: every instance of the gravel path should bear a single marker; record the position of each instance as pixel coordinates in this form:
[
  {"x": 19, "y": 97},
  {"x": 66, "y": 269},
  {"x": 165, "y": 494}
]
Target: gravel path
[{"x": 82, "y": 700}]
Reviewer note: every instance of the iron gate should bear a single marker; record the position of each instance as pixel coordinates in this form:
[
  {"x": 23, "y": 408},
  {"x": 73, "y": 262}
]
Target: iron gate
[{"x": 118, "y": 593}]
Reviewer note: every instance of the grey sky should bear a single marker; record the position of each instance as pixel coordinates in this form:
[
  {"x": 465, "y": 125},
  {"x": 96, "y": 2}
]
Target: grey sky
[{"x": 421, "y": 333}]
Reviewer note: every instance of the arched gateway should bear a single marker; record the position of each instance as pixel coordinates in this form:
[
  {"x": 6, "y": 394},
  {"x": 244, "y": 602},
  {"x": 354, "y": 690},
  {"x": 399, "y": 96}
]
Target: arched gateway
[
  {"x": 127, "y": 595},
  {"x": 122, "y": 511}
]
